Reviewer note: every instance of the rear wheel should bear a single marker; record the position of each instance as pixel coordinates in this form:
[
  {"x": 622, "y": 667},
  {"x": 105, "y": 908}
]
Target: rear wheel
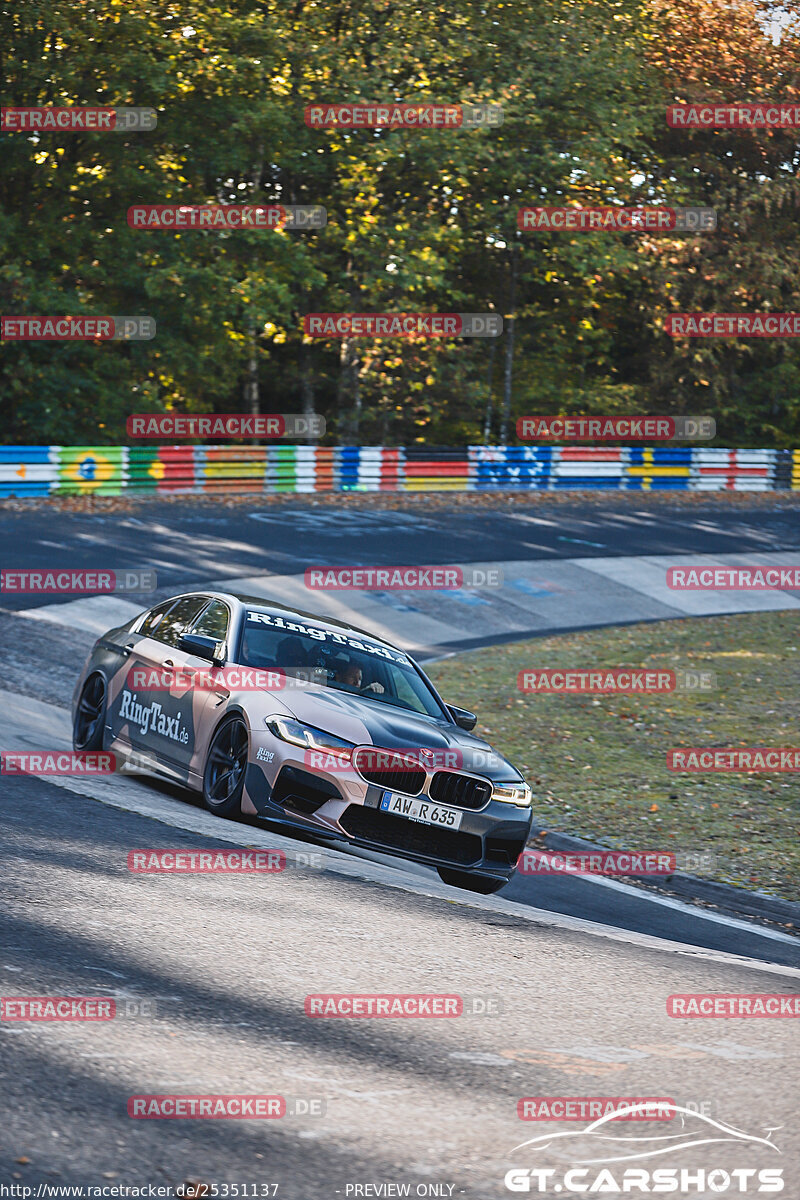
[
  {"x": 471, "y": 883},
  {"x": 223, "y": 778},
  {"x": 90, "y": 715}
]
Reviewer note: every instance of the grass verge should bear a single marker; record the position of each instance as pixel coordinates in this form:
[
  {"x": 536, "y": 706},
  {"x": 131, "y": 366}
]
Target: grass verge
[{"x": 597, "y": 764}]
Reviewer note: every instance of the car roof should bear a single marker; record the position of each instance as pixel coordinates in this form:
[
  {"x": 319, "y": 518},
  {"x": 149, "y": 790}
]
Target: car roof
[{"x": 273, "y": 608}]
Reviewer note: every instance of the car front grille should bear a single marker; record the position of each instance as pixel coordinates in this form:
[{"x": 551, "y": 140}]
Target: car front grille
[
  {"x": 398, "y": 833},
  {"x": 462, "y": 791},
  {"x": 386, "y": 770}
]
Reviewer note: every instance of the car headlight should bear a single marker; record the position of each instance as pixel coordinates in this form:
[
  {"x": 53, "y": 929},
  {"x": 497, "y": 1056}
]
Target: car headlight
[
  {"x": 307, "y": 736},
  {"x": 513, "y": 793}
]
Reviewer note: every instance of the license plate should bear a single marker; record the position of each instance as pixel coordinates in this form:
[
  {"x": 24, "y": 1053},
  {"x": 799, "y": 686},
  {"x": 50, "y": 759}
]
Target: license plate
[{"x": 421, "y": 810}]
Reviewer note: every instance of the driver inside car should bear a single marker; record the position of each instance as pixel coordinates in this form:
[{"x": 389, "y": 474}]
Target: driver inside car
[{"x": 351, "y": 675}]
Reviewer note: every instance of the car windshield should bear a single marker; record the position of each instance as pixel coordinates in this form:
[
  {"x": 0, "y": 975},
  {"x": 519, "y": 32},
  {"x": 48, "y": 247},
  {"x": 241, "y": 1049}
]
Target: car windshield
[{"x": 343, "y": 661}]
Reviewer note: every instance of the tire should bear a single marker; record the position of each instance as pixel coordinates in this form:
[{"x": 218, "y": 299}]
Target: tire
[
  {"x": 88, "y": 728},
  {"x": 226, "y": 764},
  {"x": 481, "y": 884}
]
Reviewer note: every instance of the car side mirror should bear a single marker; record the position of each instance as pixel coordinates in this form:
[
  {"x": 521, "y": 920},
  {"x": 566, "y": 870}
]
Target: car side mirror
[
  {"x": 199, "y": 644},
  {"x": 462, "y": 717}
]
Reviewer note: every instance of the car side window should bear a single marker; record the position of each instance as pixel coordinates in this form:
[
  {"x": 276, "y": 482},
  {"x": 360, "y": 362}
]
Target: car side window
[
  {"x": 152, "y": 619},
  {"x": 178, "y": 619},
  {"x": 213, "y": 622},
  {"x": 404, "y": 690}
]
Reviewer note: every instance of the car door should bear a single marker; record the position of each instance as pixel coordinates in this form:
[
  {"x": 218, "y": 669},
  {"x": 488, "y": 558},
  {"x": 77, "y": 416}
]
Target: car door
[
  {"x": 208, "y": 700},
  {"x": 158, "y": 701},
  {"x": 127, "y": 682}
]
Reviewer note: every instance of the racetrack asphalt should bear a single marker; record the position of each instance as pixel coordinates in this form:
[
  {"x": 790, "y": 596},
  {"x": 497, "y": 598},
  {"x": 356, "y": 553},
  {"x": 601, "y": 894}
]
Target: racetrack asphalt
[
  {"x": 581, "y": 969},
  {"x": 186, "y": 543}
]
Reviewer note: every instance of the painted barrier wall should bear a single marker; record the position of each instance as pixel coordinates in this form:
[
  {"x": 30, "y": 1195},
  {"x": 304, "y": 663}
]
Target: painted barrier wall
[{"x": 223, "y": 469}]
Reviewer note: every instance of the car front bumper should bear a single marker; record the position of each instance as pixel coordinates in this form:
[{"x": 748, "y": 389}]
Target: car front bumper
[{"x": 344, "y": 806}]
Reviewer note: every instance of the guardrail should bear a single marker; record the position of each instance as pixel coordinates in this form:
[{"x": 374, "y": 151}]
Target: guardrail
[{"x": 112, "y": 470}]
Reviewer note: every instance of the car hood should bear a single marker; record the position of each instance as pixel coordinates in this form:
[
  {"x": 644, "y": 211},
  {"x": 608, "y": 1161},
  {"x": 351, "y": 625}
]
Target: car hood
[{"x": 373, "y": 722}]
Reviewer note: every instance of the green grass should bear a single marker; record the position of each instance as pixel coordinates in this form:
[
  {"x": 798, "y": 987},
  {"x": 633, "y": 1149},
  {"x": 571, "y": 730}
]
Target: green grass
[{"x": 597, "y": 764}]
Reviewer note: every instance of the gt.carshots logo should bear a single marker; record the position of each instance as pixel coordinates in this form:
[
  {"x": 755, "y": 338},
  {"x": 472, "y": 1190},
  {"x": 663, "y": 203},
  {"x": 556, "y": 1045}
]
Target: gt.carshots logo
[
  {"x": 598, "y": 1144},
  {"x": 615, "y": 429},
  {"x": 410, "y": 325}
]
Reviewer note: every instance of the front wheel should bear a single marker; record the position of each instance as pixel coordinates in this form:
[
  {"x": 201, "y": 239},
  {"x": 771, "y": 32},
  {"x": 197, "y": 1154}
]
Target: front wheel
[
  {"x": 223, "y": 778},
  {"x": 90, "y": 715},
  {"x": 471, "y": 883}
]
